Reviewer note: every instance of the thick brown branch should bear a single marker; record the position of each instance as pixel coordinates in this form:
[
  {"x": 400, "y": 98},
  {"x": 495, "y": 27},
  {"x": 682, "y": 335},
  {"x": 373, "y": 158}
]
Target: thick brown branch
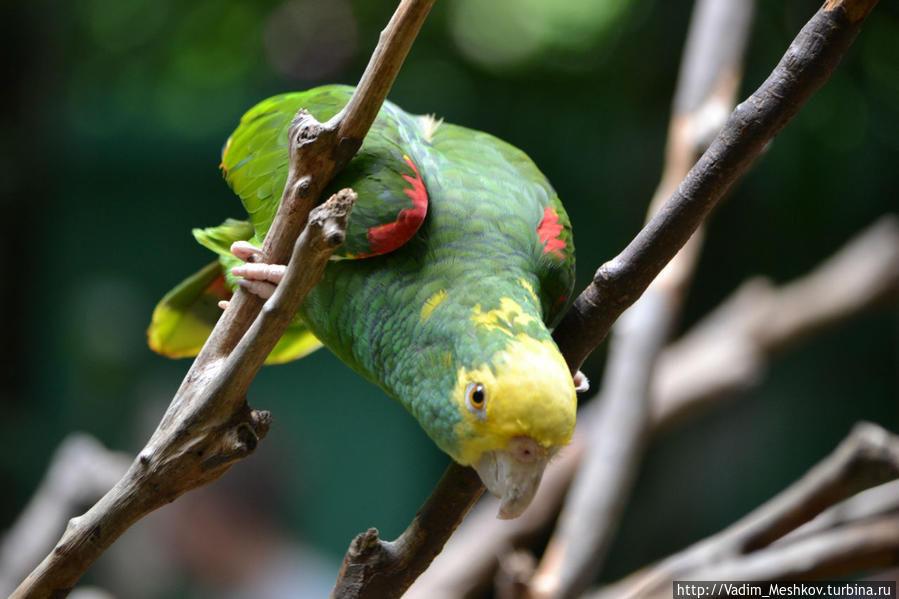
[
  {"x": 619, "y": 282},
  {"x": 382, "y": 69}
]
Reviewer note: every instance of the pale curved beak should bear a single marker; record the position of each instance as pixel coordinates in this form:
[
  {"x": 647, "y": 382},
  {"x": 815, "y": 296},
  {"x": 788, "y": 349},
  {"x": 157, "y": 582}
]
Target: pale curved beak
[{"x": 513, "y": 474}]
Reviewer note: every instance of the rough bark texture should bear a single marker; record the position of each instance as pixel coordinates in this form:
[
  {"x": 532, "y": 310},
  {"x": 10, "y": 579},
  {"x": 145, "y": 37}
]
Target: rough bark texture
[{"x": 207, "y": 427}]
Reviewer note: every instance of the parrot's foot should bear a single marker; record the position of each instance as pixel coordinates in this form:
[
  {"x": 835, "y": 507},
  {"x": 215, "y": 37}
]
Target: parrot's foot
[
  {"x": 581, "y": 384},
  {"x": 256, "y": 277}
]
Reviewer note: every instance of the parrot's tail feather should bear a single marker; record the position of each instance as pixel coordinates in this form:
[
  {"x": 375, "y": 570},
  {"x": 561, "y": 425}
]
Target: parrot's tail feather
[{"x": 184, "y": 318}]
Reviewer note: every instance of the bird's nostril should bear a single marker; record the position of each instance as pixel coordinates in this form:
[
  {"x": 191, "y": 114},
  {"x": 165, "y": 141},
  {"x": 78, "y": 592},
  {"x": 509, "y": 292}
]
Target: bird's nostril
[{"x": 525, "y": 449}]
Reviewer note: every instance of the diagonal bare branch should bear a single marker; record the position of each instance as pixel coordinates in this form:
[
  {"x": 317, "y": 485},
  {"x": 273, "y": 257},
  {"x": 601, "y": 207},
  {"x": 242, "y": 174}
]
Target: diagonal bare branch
[{"x": 617, "y": 284}]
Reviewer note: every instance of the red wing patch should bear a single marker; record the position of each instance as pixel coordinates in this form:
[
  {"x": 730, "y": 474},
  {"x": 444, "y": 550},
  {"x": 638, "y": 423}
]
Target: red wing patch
[
  {"x": 386, "y": 238},
  {"x": 219, "y": 288},
  {"x": 550, "y": 233}
]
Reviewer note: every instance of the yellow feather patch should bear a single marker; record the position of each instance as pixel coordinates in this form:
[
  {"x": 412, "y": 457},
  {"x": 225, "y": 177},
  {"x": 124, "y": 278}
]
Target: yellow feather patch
[
  {"x": 432, "y": 302},
  {"x": 529, "y": 392},
  {"x": 509, "y": 314},
  {"x": 526, "y": 285}
]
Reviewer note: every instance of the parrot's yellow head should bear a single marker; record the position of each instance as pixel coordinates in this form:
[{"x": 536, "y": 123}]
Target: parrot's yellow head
[{"x": 516, "y": 411}]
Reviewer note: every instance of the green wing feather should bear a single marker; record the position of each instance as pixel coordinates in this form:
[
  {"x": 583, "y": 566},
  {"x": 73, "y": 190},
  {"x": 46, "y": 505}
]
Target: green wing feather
[
  {"x": 254, "y": 159},
  {"x": 219, "y": 239}
]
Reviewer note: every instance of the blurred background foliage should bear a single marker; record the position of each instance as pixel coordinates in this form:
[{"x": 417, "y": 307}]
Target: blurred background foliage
[{"x": 113, "y": 117}]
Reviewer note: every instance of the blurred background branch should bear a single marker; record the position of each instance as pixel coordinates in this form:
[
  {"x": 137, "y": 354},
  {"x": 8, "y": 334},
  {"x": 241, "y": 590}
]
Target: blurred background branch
[
  {"x": 705, "y": 95},
  {"x": 869, "y": 456},
  {"x": 760, "y": 320},
  {"x": 81, "y": 471}
]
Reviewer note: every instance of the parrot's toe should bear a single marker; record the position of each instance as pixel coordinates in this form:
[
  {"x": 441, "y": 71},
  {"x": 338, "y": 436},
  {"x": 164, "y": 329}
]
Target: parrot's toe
[
  {"x": 259, "y": 279},
  {"x": 246, "y": 251},
  {"x": 256, "y": 277},
  {"x": 260, "y": 288},
  {"x": 581, "y": 383}
]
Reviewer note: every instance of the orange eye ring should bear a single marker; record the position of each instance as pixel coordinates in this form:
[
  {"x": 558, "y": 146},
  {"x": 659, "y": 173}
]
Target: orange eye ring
[{"x": 476, "y": 396}]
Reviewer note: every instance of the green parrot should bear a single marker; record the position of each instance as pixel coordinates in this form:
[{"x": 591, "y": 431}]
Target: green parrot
[{"x": 457, "y": 260}]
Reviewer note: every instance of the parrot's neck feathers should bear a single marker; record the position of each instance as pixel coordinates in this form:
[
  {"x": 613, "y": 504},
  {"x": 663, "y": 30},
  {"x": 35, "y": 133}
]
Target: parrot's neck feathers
[{"x": 429, "y": 124}]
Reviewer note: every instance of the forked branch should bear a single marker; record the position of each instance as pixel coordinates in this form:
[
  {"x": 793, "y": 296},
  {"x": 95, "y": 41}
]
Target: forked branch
[{"x": 209, "y": 425}]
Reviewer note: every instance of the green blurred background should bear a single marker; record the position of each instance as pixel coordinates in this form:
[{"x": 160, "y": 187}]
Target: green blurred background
[{"x": 113, "y": 117}]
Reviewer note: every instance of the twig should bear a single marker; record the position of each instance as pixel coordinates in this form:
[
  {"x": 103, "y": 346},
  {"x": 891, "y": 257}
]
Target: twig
[
  {"x": 759, "y": 320},
  {"x": 208, "y": 425},
  {"x": 876, "y": 501},
  {"x": 706, "y": 93},
  {"x": 804, "y": 68},
  {"x": 855, "y": 547},
  {"x": 868, "y": 456}
]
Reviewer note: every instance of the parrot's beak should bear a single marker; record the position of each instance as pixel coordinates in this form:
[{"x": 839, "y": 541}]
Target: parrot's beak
[{"x": 513, "y": 474}]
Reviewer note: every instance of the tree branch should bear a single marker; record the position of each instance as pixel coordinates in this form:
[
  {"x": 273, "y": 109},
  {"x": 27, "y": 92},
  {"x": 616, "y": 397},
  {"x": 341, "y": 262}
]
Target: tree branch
[
  {"x": 207, "y": 428},
  {"x": 806, "y": 65},
  {"x": 867, "y": 457},
  {"x": 208, "y": 425}
]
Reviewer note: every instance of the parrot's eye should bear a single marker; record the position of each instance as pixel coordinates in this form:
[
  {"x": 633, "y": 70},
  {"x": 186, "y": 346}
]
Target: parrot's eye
[{"x": 476, "y": 394}]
